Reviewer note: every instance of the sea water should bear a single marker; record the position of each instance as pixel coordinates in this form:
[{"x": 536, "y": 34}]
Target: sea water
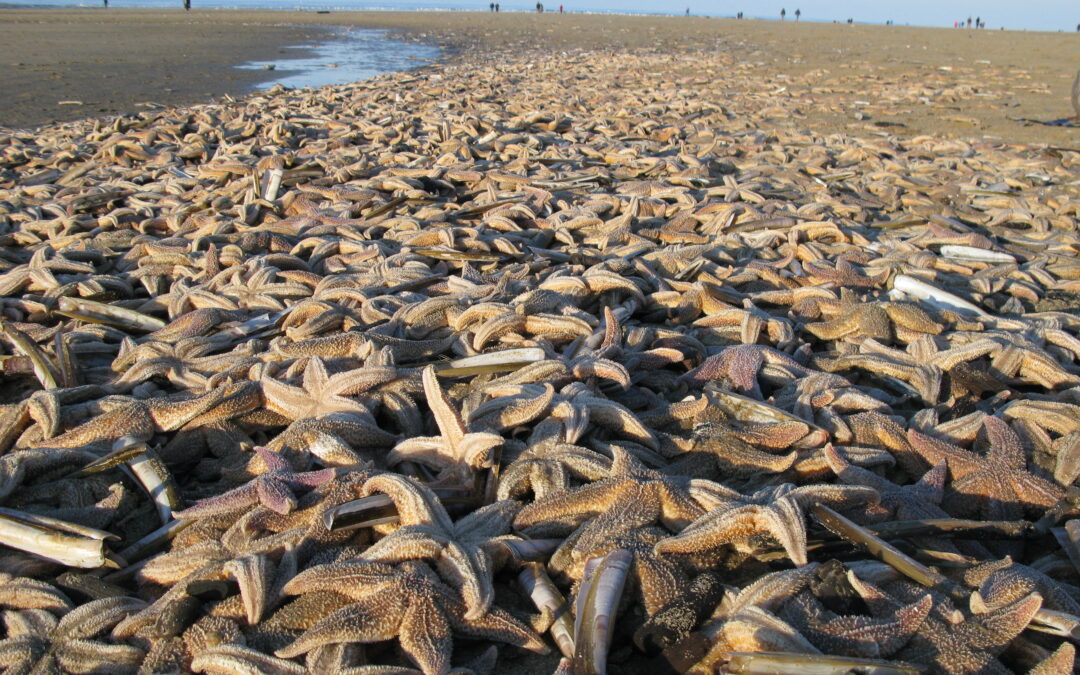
[{"x": 346, "y": 55}]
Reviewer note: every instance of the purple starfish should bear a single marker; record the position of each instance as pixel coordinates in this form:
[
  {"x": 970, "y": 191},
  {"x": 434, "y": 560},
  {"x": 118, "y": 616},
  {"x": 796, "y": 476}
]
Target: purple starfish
[{"x": 272, "y": 489}]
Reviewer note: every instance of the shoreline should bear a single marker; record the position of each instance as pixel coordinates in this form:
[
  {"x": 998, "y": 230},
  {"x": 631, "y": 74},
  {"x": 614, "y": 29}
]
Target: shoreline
[{"x": 172, "y": 57}]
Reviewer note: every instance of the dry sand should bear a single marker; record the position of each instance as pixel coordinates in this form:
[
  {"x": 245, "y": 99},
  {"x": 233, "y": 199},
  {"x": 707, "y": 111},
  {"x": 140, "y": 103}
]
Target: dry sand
[{"x": 114, "y": 60}]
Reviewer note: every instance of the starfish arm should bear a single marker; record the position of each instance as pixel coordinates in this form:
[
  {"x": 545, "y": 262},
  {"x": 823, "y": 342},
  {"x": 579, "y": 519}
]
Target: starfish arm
[
  {"x": 407, "y": 543},
  {"x": 427, "y": 450},
  {"x": 285, "y": 399},
  {"x": 661, "y": 580},
  {"x": 575, "y": 505},
  {"x": 357, "y": 579},
  {"x": 475, "y": 448},
  {"x": 446, "y": 416},
  {"x": 312, "y": 478},
  {"x": 375, "y": 619},
  {"x": 961, "y": 462},
  {"x": 237, "y": 498},
  {"x": 254, "y": 574},
  {"x": 1005, "y": 445},
  {"x": 493, "y": 520},
  {"x": 273, "y": 460},
  {"x": 497, "y": 624},
  {"x": 274, "y": 494},
  {"x": 426, "y": 638},
  {"x": 24, "y": 593},
  {"x": 234, "y": 659},
  {"x": 88, "y": 656},
  {"x": 416, "y": 504}
]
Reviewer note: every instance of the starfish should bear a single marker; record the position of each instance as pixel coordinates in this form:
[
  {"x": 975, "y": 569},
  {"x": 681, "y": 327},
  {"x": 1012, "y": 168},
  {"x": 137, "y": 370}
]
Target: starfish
[
  {"x": 462, "y": 551},
  {"x": 38, "y": 642},
  {"x": 272, "y": 489},
  {"x": 996, "y": 485},
  {"x": 234, "y": 659},
  {"x": 407, "y": 601},
  {"x": 235, "y": 553},
  {"x": 142, "y": 419},
  {"x": 745, "y": 620},
  {"x": 631, "y": 497},
  {"x": 322, "y": 394},
  {"x": 845, "y": 274},
  {"x": 879, "y": 320},
  {"x": 23, "y": 593},
  {"x": 740, "y": 364},
  {"x": 778, "y": 511},
  {"x": 659, "y": 580},
  {"x": 894, "y": 365},
  {"x": 1002, "y": 582},
  {"x": 546, "y": 468},
  {"x": 853, "y": 634},
  {"x": 909, "y": 502},
  {"x": 456, "y": 453},
  {"x": 972, "y": 645},
  {"x": 737, "y": 456}
]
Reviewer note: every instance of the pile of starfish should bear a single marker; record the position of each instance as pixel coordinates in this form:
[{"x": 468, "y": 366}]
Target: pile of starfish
[{"x": 473, "y": 389}]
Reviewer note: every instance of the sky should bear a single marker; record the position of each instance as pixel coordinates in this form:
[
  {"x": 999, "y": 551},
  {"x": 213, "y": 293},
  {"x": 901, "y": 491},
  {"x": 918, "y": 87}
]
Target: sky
[
  {"x": 1051, "y": 15},
  {"x": 1028, "y": 14}
]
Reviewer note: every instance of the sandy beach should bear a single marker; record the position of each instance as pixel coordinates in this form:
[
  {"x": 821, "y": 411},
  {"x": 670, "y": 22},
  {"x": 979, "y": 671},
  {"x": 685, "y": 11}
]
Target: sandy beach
[{"x": 113, "y": 61}]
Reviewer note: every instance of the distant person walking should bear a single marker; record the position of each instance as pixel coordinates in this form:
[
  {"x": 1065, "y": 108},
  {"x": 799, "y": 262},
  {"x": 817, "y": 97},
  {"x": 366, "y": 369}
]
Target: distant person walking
[
  {"x": 491, "y": 7},
  {"x": 798, "y": 13},
  {"x": 783, "y": 13},
  {"x": 106, "y": 4},
  {"x": 187, "y": 5},
  {"x": 496, "y": 8},
  {"x": 560, "y": 9}
]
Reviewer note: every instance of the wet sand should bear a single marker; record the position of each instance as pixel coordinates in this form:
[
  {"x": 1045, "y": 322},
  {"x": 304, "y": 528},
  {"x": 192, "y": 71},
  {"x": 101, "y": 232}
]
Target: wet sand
[{"x": 855, "y": 79}]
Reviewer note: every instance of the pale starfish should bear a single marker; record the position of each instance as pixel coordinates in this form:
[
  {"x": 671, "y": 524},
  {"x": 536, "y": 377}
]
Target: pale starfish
[
  {"x": 778, "y": 511},
  {"x": 322, "y": 394},
  {"x": 272, "y": 489},
  {"x": 546, "y": 468},
  {"x": 456, "y": 453},
  {"x": 406, "y": 601},
  {"x": 462, "y": 551}
]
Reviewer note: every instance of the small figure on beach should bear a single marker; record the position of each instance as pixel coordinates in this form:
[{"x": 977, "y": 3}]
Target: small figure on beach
[
  {"x": 539, "y": 8},
  {"x": 687, "y": 11},
  {"x": 187, "y": 5},
  {"x": 106, "y": 4},
  {"x": 969, "y": 22},
  {"x": 978, "y": 22},
  {"x": 491, "y": 7},
  {"x": 496, "y": 8},
  {"x": 560, "y": 9},
  {"x": 798, "y": 13},
  {"x": 739, "y": 15},
  {"x": 783, "y": 13}
]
